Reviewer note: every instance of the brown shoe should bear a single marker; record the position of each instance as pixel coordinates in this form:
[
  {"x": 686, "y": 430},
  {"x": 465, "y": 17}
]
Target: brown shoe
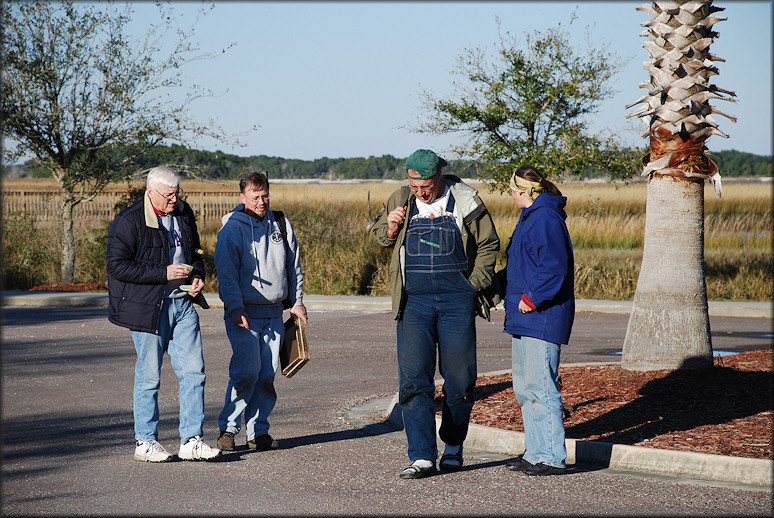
[
  {"x": 226, "y": 441},
  {"x": 263, "y": 443}
]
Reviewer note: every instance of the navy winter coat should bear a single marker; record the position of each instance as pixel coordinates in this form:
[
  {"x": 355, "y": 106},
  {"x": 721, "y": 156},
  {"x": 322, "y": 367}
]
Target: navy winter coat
[
  {"x": 541, "y": 270},
  {"x": 137, "y": 256}
]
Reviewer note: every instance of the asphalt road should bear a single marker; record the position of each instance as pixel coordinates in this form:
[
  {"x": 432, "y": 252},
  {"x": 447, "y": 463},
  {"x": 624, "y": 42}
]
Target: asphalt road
[{"x": 67, "y": 432}]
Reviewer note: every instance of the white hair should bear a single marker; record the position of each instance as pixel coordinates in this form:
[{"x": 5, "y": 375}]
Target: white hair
[{"x": 162, "y": 176}]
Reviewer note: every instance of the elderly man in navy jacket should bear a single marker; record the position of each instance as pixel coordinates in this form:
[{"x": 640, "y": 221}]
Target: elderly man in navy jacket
[{"x": 155, "y": 274}]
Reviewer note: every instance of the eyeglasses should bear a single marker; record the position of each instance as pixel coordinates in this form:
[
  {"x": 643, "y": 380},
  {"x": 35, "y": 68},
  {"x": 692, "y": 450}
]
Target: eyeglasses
[
  {"x": 264, "y": 198},
  {"x": 424, "y": 188},
  {"x": 169, "y": 197}
]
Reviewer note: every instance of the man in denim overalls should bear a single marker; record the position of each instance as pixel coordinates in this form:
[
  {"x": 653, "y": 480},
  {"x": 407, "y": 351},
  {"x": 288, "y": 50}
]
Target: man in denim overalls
[{"x": 445, "y": 247}]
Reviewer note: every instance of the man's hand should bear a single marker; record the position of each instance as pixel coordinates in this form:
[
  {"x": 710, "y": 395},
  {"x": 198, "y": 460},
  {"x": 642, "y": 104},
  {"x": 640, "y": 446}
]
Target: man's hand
[
  {"x": 178, "y": 271},
  {"x": 299, "y": 310},
  {"x": 239, "y": 317},
  {"x": 198, "y": 286},
  {"x": 395, "y": 218}
]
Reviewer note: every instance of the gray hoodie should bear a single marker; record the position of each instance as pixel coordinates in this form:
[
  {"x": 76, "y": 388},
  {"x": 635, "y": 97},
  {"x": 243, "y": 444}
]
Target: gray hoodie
[{"x": 255, "y": 269}]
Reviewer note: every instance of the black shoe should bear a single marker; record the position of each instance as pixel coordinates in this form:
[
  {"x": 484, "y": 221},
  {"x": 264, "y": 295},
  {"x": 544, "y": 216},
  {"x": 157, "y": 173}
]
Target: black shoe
[
  {"x": 263, "y": 442},
  {"x": 451, "y": 461},
  {"x": 541, "y": 469},
  {"x": 415, "y": 471},
  {"x": 518, "y": 464}
]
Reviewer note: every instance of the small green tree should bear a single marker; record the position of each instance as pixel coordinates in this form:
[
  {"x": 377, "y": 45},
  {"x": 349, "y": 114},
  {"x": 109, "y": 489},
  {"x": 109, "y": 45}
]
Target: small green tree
[
  {"x": 84, "y": 100},
  {"x": 530, "y": 106}
]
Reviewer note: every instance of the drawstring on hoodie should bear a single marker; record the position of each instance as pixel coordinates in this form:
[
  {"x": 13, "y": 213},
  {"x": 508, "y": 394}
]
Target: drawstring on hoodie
[{"x": 255, "y": 254}]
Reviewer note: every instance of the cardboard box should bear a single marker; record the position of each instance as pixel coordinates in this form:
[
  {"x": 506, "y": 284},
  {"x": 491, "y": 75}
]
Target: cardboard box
[{"x": 294, "y": 353}]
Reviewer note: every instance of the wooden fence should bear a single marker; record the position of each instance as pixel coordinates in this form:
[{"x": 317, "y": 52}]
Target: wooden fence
[{"x": 209, "y": 206}]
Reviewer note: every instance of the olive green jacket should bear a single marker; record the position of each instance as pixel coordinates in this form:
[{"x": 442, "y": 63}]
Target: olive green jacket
[{"x": 479, "y": 239}]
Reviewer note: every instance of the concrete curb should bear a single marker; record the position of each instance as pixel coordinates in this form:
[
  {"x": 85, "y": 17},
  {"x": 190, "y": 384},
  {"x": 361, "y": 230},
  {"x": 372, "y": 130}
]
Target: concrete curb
[
  {"x": 705, "y": 466},
  {"x": 367, "y": 303},
  {"x": 715, "y": 308},
  {"x": 77, "y": 299},
  {"x": 54, "y": 299},
  {"x": 641, "y": 459}
]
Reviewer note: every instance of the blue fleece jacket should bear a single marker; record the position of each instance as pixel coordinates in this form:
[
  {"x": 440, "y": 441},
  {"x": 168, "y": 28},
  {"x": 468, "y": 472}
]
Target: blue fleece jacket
[{"x": 540, "y": 271}]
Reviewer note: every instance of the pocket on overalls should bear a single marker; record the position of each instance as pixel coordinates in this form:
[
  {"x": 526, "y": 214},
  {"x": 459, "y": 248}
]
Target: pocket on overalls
[
  {"x": 430, "y": 241},
  {"x": 458, "y": 281}
]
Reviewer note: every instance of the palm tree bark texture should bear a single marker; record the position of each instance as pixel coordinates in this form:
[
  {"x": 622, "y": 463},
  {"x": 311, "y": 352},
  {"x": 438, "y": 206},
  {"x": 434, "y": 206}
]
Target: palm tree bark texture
[{"x": 669, "y": 323}]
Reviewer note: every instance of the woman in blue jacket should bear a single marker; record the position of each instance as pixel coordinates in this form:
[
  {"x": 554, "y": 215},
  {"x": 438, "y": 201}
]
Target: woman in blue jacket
[{"x": 539, "y": 311}]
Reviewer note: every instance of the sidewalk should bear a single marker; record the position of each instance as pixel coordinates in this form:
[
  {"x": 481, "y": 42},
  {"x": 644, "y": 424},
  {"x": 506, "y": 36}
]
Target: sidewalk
[
  {"x": 364, "y": 303},
  {"x": 684, "y": 465}
]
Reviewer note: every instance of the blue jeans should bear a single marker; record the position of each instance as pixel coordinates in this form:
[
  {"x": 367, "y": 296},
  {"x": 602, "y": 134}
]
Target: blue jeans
[
  {"x": 535, "y": 365},
  {"x": 180, "y": 337},
  {"x": 254, "y": 364},
  {"x": 442, "y": 313}
]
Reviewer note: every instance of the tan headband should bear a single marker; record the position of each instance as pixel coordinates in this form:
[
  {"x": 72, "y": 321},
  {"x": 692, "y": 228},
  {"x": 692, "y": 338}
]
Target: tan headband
[{"x": 532, "y": 189}]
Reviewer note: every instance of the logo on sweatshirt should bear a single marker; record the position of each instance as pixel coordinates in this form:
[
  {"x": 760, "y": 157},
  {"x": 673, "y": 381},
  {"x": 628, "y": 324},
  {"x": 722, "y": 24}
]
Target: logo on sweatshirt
[{"x": 276, "y": 237}]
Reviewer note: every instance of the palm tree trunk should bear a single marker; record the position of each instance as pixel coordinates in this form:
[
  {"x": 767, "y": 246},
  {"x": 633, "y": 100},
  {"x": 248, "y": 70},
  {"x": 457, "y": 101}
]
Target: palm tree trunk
[{"x": 669, "y": 324}]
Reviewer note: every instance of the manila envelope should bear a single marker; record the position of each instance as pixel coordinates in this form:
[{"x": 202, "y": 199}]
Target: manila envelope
[{"x": 294, "y": 352}]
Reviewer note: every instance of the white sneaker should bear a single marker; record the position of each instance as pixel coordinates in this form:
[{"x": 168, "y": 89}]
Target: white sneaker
[
  {"x": 151, "y": 451},
  {"x": 196, "y": 449}
]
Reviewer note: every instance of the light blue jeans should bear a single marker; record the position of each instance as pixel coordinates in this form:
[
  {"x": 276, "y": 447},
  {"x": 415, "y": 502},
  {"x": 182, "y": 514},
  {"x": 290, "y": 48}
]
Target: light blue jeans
[
  {"x": 254, "y": 364},
  {"x": 180, "y": 337},
  {"x": 535, "y": 365}
]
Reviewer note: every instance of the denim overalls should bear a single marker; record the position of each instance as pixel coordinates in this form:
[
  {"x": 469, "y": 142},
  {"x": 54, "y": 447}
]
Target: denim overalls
[{"x": 439, "y": 309}]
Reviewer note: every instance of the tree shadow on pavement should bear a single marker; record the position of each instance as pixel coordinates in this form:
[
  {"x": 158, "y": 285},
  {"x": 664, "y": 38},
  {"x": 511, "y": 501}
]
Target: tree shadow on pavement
[
  {"x": 27, "y": 316},
  {"x": 682, "y": 400},
  {"x": 40, "y": 444}
]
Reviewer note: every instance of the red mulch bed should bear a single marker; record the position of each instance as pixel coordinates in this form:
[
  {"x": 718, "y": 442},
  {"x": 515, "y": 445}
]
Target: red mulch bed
[{"x": 725, "y": 410}]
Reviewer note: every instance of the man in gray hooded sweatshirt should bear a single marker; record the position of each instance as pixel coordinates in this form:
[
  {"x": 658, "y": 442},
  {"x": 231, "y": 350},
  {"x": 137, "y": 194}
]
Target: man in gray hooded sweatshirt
[{"x": 257, "y": 269}]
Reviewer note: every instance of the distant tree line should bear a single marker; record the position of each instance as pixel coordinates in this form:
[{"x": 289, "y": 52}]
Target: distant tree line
[
  {"x": 738, "y": 163},
  {"x": 224, "y": 166}
]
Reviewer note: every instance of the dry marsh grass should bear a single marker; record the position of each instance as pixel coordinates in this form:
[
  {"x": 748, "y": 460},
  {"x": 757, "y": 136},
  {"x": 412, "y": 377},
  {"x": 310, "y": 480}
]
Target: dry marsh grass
[{"x": 606, "y": 222}]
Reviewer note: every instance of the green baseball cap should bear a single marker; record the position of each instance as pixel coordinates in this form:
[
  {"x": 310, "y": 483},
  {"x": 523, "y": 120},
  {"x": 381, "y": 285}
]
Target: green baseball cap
[{"x": 425, "y": 163}]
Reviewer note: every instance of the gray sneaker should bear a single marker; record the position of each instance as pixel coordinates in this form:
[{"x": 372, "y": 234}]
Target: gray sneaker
[
  {"x": 151, "y": 451},
  {"x": 196, "y": 449}
]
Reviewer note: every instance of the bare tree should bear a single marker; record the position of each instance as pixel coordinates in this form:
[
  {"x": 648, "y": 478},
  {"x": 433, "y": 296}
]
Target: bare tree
[
  {"x": 83, "y": 100},
  {"x": 669, "y": 323}
]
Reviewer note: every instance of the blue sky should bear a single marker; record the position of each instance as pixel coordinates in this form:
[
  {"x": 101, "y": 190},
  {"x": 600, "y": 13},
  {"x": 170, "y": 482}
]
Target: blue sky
[{"x": 344, "y": 79}]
